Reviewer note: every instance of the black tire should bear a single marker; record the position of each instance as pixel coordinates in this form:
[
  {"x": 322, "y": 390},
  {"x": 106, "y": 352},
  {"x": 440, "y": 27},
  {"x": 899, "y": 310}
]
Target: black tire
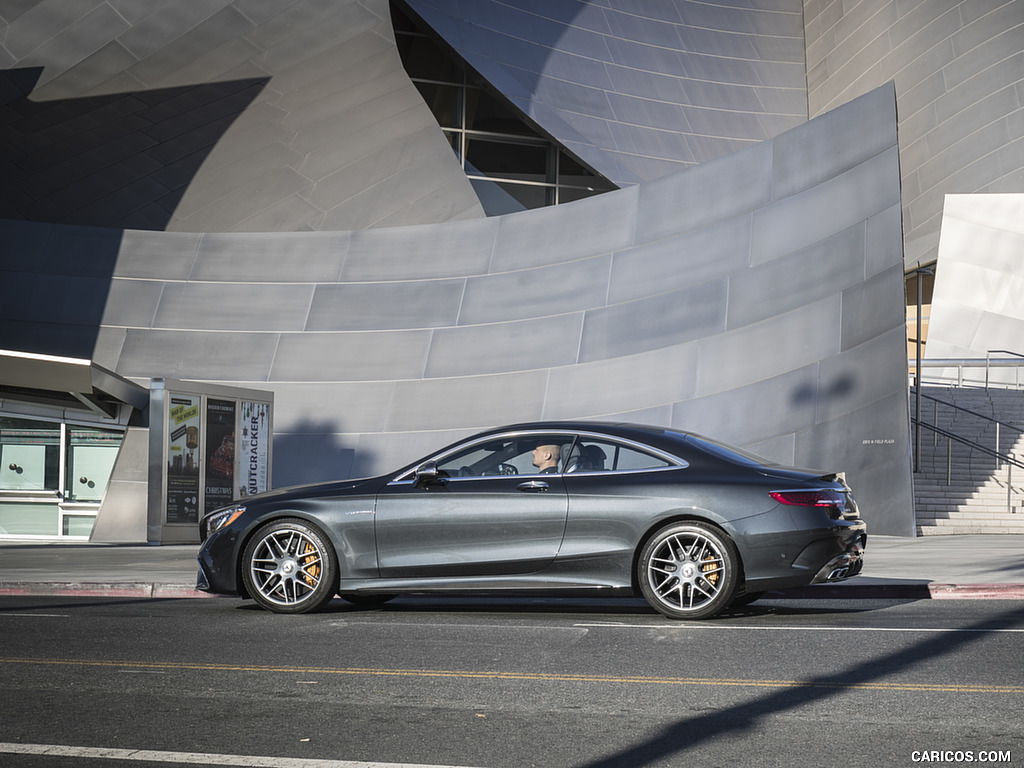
[
  {"x": 289, "y": 567},
  {"x": 688, "y": 570},
  {"x": 368, "y": 600}
]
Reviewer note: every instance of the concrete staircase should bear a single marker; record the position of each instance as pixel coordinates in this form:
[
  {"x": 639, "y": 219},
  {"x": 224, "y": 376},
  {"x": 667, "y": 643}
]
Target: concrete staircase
[{"x": 977, "y": 498}]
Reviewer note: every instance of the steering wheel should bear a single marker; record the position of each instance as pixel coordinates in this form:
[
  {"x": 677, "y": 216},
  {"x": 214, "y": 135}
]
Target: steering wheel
[{"x": 507, "y": 469}]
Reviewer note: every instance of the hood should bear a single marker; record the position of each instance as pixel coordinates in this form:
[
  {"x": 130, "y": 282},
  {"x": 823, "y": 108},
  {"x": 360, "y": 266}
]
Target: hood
[{"x": 312, "y": 490}]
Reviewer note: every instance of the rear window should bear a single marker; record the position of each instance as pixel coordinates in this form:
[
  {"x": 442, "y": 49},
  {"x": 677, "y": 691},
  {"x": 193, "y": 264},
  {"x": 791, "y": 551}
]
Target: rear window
[
  {"x": 596, "y": 455},
  {"x": 726, "y": 451}
]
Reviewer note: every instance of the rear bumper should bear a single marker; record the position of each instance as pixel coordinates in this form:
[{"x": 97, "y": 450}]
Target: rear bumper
[
  {"x": 830, "y": 553},
  {"x": 843, "y": 566}
]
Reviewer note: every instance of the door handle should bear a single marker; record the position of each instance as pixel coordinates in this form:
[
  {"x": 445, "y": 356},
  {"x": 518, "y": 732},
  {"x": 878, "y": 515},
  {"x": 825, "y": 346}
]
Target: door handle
[{"x": 532, "y": 486}]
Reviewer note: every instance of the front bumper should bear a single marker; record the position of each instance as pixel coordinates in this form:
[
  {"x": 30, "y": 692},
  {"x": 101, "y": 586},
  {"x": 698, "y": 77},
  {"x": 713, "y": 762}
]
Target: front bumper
[{"x": 217, "y": 557}]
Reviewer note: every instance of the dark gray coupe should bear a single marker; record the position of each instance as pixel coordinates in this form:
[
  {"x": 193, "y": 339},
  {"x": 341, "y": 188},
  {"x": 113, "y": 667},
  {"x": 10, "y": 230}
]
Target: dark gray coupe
[{"x": 690, "y": 523}]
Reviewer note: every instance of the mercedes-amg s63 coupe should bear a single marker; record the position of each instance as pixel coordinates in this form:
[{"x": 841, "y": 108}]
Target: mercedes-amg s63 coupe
[{"x": 690, "y": 523}]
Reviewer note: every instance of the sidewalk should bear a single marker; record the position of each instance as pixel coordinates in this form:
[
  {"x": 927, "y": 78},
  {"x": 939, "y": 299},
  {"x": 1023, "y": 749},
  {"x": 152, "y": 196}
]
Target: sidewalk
[{"x": 958, "y": 566}]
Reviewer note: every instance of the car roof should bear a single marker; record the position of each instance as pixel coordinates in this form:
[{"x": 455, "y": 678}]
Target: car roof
[{"x": 664, "y": 438}]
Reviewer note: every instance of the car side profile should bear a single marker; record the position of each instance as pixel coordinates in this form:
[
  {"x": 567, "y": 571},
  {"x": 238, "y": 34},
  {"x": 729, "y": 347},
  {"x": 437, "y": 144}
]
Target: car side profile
[{"x": 691, "y": 524}]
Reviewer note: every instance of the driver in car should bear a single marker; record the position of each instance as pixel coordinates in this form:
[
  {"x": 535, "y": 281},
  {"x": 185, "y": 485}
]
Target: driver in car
[{"x": 545, "y": 458}]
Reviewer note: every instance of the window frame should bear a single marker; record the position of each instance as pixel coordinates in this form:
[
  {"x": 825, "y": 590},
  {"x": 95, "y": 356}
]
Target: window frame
[{"x": 576, "y": 436}]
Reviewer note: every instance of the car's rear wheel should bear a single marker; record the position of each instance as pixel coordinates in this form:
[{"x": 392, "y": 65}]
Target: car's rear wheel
[
  {"x": 289, "y": 567},
  {"x": 688, "y": 570}
]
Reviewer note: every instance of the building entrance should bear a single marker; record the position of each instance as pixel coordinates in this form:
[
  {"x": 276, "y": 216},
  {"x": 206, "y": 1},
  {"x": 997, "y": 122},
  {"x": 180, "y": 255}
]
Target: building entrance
[{"x": 53, "y": 474}]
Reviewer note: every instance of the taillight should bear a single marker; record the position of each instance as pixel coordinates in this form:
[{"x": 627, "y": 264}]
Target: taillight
[{"x": 833, "y": 501}]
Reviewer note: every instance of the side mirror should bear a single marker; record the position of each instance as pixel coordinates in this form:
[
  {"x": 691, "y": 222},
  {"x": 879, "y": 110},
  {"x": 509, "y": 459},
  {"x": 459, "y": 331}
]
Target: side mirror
[{"x": 426, "y": 473}]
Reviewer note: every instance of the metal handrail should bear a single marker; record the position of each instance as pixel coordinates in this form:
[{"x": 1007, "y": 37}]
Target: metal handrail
[
  {"x": 999, "y": 424},
  {"x": 962, "y": 363},
  {"x": 1007, "y": 458},
  {"x": 916, "y": 365},
  {"x": 988, "y": 356}
]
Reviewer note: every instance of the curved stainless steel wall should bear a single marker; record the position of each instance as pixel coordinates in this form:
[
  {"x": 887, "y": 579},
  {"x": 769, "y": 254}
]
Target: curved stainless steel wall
[
  {"x": 637, "y": 89},
  {"x": 757, "y": 298},
  {"x": 217, "y": 116},
  {"x": 959, "y": 73},
  {"x": 978, "y": 303}
]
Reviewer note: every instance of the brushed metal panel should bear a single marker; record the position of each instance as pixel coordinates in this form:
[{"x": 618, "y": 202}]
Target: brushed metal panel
[
  {"x": 617, "y": 386},
  {"x": 214, "y": 356},
  {"x": 540, "y": 237},
  {"x": 335, "y": 407},
  {"x": 804, "y": 158},
  {"x": 949, "y": 61},
  {"x": 132, "y": 303},
  {"x": 381, "y": 356},
  {"x": 529, "y": 293},
  {"x": 977, "y": 303},
  {"x": 872, "y": 308},
  {"x": 848, "y": 382},
  {"x": 814, "y": 214},
  {"x": 260, "y": 99},
  {"x": 799, "y": 278},
  {"x": 472, "y": 402},
  {"x": 381, "y": 306},
  {"x": 759, "y": 351},
  {"x": 572, "y": 85},
  {"x": 783, "y": 404},
  {"x": 712, "y": 192},
  {"x": 278, "y": 257},
  {"x": 233, "y": 306},
  {"x": 146, "y": 255},
  {"x": 421, "y": 252},
  {"x": 504, "y": 347},
  {"x": 676, "y": 262},
  {"x": 658, "y": 321}
]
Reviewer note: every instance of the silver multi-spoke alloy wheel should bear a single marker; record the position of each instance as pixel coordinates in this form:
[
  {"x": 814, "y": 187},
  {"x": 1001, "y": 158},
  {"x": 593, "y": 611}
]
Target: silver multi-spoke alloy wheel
[
  {"x": 688, "y": 570},
  {"x": 289, "y": 567}
]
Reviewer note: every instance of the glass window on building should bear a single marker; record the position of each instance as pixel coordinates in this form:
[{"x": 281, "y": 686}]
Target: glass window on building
[
  {"x": 511, "y": 165},
  {"x": 91, "y": 454},
  {"x": 52, "y": 476}
]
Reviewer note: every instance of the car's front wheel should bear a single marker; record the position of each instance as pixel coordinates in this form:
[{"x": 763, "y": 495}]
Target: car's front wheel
[
  {"x": 289, "y": 567},
  {"x": 688, "y": 570}
]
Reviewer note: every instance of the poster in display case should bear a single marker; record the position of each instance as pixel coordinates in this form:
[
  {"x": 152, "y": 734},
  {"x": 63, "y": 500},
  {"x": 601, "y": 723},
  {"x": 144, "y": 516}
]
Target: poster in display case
[
  {"x": 220, "y": 453},
  {"x": 255, "y": 430},
  {"x": 182, "y": 460}
]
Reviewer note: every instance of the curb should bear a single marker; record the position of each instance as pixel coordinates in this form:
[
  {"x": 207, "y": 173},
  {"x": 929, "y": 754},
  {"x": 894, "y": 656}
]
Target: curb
[
  {"x": 79, "y": 589},
  {"x": 930, "y": 591}
]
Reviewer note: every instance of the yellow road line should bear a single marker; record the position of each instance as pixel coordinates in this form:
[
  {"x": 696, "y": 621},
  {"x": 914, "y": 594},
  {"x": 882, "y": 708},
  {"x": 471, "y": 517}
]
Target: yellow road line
[{"x": 524, "y": 676}]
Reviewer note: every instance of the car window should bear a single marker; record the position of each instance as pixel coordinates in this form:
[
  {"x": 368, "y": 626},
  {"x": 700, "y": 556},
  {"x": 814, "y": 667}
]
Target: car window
[
  {"x": 508, "y": 456},
  {"x": 597, "y": 455}
]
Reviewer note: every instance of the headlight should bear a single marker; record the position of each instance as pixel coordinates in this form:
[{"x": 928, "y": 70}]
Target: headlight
[{"x": 221, "y": 519}]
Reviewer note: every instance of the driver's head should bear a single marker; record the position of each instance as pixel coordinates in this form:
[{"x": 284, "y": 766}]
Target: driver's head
[{"x": 545, "y": 456}]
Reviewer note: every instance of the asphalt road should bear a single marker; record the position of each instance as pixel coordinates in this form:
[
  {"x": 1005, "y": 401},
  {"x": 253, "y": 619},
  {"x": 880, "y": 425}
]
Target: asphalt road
[{"x": 507, "y": 684}]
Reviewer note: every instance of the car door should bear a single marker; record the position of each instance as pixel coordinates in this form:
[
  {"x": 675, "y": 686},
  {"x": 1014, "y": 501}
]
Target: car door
[
  {"x": 488, "y": 511},
  {"x": 614, "y": 489}
]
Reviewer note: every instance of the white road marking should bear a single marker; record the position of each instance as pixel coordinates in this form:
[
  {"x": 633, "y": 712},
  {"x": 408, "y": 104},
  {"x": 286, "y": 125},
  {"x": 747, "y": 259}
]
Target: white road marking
[
  {"x": 721, "y": 627},
  {"x": 195, "y": 758}
]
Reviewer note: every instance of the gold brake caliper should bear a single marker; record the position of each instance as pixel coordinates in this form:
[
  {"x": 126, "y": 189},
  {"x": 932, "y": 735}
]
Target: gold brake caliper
[
  {"x": 310, "y": 573},
  {"x": 709, "y": 566}
]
